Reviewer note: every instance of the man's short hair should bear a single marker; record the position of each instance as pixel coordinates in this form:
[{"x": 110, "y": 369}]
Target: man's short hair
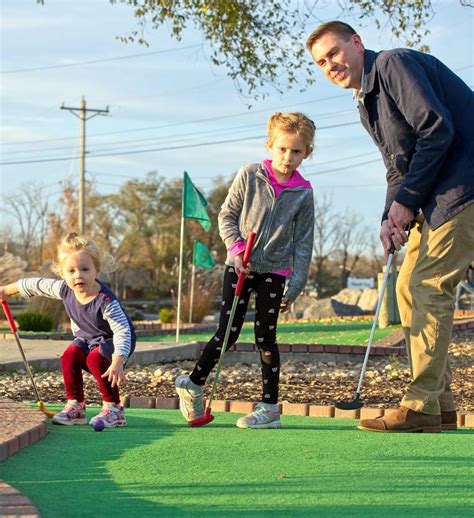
[{"x": 344, "y": 30}]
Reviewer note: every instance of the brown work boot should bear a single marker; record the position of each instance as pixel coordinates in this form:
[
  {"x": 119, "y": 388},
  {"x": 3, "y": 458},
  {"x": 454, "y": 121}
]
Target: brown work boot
[
  {"x": 403, "y": 420},
  {"x": 449, "y": 420}
]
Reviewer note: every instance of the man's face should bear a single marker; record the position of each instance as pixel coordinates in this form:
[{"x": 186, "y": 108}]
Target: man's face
[{"x": 340, "y": 60}]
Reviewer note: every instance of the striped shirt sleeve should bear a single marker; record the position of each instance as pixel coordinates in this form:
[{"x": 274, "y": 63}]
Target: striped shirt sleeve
[
  {"x": 118, "y": 322},
  {"x": 41, "y": 286}
]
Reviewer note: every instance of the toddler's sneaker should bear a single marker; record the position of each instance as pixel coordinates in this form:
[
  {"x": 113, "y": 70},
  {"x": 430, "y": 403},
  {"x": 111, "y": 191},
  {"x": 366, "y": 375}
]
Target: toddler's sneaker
[
  {"x": 72, "y": 413},
  {"x": 111, "y": 415},
  {"x": 263, "y": 415},
  {"x": 190, "y": 395}
]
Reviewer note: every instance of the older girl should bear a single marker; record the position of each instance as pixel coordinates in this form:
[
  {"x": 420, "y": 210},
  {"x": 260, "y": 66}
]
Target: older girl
[{"x": 272, "y": 199}]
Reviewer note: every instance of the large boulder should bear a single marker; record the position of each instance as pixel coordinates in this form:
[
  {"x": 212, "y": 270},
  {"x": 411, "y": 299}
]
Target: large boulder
[
  {"x": 348, "y": 296},
  {"x": 330, "y": 308},
  {"x": 368, "y": 300},
  {"x": 297, "y": 309}
]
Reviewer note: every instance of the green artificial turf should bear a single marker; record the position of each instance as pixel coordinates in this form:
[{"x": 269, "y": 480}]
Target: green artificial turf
[
  {"x": 158, "y": 466},
  {"x": 342, "y": 333}
]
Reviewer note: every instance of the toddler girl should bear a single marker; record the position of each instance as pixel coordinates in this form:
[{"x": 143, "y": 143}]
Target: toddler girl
[{"x": 104, "y": 335}]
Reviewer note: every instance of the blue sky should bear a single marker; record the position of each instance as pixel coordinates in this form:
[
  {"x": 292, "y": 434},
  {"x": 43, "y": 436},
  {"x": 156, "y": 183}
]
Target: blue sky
[{"x": 169, "y": 96}]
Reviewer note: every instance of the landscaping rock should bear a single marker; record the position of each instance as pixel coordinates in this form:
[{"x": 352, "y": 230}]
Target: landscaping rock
[
  {"x": 330, "y": 308},
  {"x": 348, "y": 296},
  {"x": 312, "y": 381},
  {"x": 368, "y": 300}
]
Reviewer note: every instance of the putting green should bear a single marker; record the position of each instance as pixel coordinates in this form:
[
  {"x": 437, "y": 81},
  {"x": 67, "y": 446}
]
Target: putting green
[
  {"x": 352, "y": 332},
  {"x": 158, "y": 466}
]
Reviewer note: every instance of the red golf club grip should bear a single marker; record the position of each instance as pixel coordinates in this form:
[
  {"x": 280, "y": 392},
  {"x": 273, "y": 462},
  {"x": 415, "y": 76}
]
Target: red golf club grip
[
  {"x": 8, "y": 314},
  {"x": 247, "y": 253}
]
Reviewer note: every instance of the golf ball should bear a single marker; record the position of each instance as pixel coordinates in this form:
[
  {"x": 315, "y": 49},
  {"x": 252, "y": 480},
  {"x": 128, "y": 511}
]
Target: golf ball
[{"x": 98, "y": 425}]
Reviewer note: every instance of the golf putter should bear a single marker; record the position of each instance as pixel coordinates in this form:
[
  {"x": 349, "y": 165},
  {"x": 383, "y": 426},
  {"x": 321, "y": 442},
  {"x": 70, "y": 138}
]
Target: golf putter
[
  {"x": 11, "y": 323},
  {"x": 356, "y": 402},
  {"x": 208, "y": 417}
]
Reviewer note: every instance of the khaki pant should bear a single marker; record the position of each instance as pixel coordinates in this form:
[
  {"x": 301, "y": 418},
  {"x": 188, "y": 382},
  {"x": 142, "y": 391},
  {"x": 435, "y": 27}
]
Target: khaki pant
[{"x": 435, "y": 262}]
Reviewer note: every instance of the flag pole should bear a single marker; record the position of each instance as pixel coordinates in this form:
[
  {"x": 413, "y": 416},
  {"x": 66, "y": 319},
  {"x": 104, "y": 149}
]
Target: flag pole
[
  {"x": 180, "y": 269},
  {"x": 191, "y": 297}
]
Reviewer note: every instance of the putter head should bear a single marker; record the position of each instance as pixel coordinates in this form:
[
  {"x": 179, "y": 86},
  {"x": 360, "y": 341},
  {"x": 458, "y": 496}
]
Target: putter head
[
  {"x": 203, "y": 420},
  {"x": 350, "y": 405},
  {"x": 49, "y": 413}
]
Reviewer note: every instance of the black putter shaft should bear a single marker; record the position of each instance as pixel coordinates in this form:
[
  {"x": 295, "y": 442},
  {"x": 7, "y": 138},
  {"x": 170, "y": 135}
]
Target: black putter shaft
[{"x": 356, "y": 402}]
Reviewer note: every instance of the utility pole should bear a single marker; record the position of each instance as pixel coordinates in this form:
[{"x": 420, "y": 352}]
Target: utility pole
[{"x": 82, "y": 165}]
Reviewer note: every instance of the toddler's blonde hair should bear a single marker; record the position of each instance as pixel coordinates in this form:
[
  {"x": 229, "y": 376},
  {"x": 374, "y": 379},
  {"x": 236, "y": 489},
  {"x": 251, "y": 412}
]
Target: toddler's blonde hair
[
  {"x": 292, "y": 122},
  {"x": 74, "y": 243}
]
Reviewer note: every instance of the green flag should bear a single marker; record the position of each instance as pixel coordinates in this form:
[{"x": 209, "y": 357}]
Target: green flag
[
  {"x": 202, "y": 256},
  {"x": 194, "y": 203}
]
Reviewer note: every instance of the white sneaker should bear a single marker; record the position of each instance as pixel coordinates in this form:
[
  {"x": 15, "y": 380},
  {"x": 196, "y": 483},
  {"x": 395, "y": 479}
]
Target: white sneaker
[
  {"x": 111, "y": 416},
  {"x": 263, "y": 415},
  {"x": 191, "y": 401},
  {"x": 73, "y": 413}
]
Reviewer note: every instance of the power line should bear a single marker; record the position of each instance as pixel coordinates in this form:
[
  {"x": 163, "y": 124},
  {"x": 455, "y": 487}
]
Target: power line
[
  {"x": 95, "y": 61},
  {"x": 339, "y": 159},
  {"x": 171, "y": 138},
  {"x": 153, "y": 150},
  {"x": 304, "y": 169},
  {"x": 147, "y": 128},
  {"x": 182, "y": 123},
  {"x": 351, "y": 186},
  {"x": 344, "y": 168}
]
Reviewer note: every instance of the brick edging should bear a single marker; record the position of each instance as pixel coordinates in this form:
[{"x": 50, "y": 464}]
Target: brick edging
[
  {"x": 21, "y": 427},
  {"x": 13, "y": 503},
  {"x": 299, "y": 409}
]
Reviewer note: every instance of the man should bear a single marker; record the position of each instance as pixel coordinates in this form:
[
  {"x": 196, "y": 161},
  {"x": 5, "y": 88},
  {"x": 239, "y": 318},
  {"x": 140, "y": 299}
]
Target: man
[{"x": 421, "y": 116}]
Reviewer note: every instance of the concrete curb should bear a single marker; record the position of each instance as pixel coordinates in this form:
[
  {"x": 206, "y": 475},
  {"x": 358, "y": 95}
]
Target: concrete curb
[{"x": 158, "y": 352}]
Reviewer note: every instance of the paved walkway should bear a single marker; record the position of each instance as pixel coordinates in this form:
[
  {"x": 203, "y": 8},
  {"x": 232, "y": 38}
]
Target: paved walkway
[{"x": 45, "y": 354}]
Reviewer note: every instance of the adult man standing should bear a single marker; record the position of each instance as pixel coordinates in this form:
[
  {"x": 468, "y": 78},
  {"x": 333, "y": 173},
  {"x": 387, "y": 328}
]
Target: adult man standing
[{"x": 421, "y": 116}]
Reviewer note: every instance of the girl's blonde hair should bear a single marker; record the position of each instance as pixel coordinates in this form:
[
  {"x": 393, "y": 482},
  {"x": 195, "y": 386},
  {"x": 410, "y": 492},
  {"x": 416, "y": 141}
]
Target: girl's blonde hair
[
  {"x": 74, "y": 243},
  {"x": 291, "y": 123}
]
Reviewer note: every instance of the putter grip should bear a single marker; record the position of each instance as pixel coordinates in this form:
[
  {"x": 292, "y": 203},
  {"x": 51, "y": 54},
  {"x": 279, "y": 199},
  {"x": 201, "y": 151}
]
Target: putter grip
[
  {"x": 247, "y": 253},
  {"x": 8, "y": 314}
]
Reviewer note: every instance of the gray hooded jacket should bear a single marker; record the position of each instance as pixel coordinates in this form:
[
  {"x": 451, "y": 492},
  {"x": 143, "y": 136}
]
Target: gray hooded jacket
[{"x": 284, "y": 226}]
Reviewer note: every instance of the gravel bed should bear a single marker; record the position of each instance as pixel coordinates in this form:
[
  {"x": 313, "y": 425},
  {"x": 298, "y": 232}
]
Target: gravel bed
[{"x": 301, "y": 382}]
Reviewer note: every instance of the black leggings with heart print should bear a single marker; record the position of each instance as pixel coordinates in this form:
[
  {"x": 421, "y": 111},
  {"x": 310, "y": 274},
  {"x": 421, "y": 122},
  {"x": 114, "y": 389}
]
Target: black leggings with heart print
[{"x": 268, "y": 288}]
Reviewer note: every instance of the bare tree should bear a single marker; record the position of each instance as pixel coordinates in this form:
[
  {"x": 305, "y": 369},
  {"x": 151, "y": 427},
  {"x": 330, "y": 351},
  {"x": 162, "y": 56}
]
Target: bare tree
[
  {"x": 12, "y": 268},
  {"x": 29, "y": 210},
  {"x": 327, "y": 234},
  {"x": 376, "y": 256},
  {"x": 353, "y": 241}
]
